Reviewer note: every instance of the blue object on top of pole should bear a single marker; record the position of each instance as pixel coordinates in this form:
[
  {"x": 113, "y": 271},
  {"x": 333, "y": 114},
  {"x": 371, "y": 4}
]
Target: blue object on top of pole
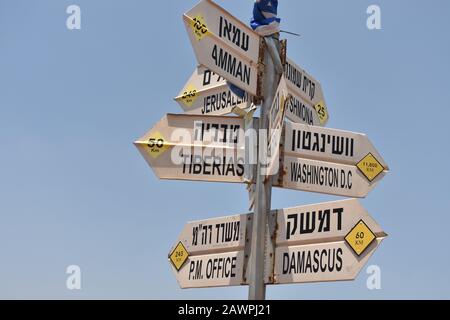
[{"x": 265, "y": 21}]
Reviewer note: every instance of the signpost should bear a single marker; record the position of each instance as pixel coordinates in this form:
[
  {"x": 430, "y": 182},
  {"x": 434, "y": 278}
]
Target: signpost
[
  {"x": 207, "y": 93},
  {"x": 198, "y": 148},
  {"x": 323, "y": 242},
  {"x": 225, "y": 45}
]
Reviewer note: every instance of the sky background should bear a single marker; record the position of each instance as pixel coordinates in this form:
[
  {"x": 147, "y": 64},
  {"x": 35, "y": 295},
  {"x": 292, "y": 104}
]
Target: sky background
[{"x": 74, "y": 189}]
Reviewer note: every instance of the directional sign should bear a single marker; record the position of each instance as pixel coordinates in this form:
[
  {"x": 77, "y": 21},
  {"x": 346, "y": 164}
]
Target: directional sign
[
  {"x": 224, "y": 45},
  {"x": 330, "y": 161},
  {"x": 207, "y": 93},
  {"x": 332, "y": 261},
  {"x": 199, "y": 148},
  {"x": 307, "y": 105},
  {"x": 324, "y": 242},
  {"x": 211, "y": 253},
  {"x": 324, "y": 222},
  {"x": 276, "y": 120}
]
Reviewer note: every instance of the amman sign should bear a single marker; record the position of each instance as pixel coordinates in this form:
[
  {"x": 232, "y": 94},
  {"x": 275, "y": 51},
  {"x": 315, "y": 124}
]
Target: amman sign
[{"x": 225, "y": 45}]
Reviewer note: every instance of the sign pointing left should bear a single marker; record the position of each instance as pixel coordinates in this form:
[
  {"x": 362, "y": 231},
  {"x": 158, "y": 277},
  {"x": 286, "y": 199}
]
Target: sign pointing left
[
  {"x": 198, "y": 148},
  {"x": 224, "y": 45},
  {"x": 207, "y": 93},
  {"x": 211, "y": 253}
]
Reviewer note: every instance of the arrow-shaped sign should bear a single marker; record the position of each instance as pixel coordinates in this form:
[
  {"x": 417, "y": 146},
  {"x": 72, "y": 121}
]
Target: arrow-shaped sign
[
  {"x": 211, "y": 253},
  {"x": 330, "y": 161},
  {"x": 198, "y": 148},
  {"x": 207, "y": 93},
  {"x": 224, "y": 45},
  {"x": 324, "y": 242},
  {"x": 307, "y": 105}
]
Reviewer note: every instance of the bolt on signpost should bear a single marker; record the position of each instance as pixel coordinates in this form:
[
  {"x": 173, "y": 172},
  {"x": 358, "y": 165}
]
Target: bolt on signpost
[{"x": 313, "y": 243}]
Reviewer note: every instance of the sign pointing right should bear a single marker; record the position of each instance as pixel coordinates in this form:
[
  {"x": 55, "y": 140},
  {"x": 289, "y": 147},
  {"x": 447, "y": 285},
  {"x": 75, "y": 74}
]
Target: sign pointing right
[
  {"x": 330, "y": 161},
  {"x": 324, "y": 242},
  {"x": 308, "y": 103}
]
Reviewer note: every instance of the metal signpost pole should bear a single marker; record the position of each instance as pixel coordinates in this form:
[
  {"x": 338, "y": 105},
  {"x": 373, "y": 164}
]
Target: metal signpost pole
[{"x": 257, "y": 288}]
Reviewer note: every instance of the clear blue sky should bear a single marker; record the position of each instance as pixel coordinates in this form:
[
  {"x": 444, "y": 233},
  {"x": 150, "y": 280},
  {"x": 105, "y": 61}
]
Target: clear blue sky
[{"x": 74, "y": 190}]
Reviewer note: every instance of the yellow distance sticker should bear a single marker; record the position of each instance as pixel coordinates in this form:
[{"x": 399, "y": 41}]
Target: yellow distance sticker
[
  {"x": 370, "y": 167},
  {"x": 322, "y": 112},
  {"x": 189, "y": 96},
  {"x": 157, "y": 145},
  {"x": 199, "y": 27},
  {"x": 179, "y": 256},
  {"x": 360, "y": 237}
]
